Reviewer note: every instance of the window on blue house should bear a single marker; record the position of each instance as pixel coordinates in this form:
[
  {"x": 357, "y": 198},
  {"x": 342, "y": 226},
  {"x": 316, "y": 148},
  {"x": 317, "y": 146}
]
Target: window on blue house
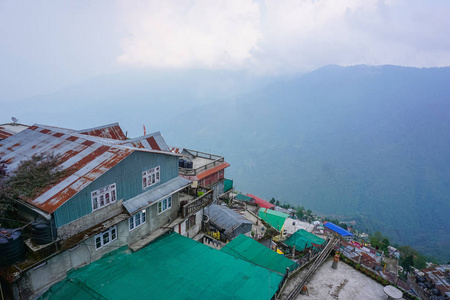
[
  {"x": 150, "y": 177},
  {"x": 105, "y": 237},
  {"x": 104, "y": 196},
  {"x": 164, "y": 204},
  {"x": 137, "y": 220}
]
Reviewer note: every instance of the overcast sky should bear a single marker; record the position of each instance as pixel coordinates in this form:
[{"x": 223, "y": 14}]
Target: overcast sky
[{"x": 45, "y": 45}]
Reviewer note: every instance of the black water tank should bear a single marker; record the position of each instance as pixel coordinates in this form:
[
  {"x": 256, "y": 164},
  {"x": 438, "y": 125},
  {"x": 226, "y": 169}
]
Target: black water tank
[
  {"x": 190, "y": 164},
  {"x": 12, "y": 247},
  {"x": 181, "y": 163},
  {"x": 43, "y": 233}
]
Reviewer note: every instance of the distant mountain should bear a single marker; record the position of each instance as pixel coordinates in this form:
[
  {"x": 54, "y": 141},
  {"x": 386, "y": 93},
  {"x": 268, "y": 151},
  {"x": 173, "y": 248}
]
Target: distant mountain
[{"x": 364, "y": 143}]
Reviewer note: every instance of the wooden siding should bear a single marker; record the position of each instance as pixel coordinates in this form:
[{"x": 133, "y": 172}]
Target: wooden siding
[{"x": 127, "y": 175}]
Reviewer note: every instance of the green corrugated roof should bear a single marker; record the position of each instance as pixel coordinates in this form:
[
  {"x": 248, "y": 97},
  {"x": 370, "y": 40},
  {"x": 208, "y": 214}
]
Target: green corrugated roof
[
  {"x": 241, "y": 197},
  {"x": 172, "y": 267},
  {"x": 250, "y": 250},
  {"x": 274, "y": 218},
  {"x": 302, "y": 239}
]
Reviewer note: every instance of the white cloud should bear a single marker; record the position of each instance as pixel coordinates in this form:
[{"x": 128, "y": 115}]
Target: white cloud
[
  {"x": 190, "y": 34},
  {"x": 284, "y": 36}
]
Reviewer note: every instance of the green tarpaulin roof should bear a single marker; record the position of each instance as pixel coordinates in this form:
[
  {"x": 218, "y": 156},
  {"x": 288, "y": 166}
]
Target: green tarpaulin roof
[
  {"x": 274, "y": 218},
  {"x": 248, "y": 249},
  {"x": 172, "y": 267},
  {"x": 303, "y": 239},
  {"x": 243, "y": 197}
]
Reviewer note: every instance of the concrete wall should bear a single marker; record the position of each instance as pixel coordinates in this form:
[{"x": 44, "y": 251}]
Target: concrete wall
[{"x": 181, "y": 228}]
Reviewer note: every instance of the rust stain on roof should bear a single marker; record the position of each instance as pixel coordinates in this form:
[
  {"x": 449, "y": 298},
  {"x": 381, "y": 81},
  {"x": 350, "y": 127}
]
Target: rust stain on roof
[
  {"x": 152, "y": 143},
  {"x": 58, "y": 134},
  {"x": 72, "y": 138},
  {"x": 111, "y": 131}
]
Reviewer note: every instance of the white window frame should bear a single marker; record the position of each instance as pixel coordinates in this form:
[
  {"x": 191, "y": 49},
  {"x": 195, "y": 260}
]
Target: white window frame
[
  {"x": 139, "y": 219},
  {"x": 151, "y": 177},
  {"x": 105, "y": 237},
  {"x": 164, "y": 204},
  {"x": 104, "y": 196}
]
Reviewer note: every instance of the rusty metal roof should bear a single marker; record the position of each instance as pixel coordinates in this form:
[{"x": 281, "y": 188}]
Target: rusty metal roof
[
  {"x": 110, "y": 131},
  {"x": 83, "y": 157},
  {"x": 153, "y": 141},
  {"x": 9, "y": 129}
]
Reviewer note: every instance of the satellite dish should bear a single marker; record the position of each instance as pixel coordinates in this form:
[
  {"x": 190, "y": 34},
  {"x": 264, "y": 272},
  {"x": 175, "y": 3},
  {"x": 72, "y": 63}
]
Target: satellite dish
[{"x": 14, "y": 120}]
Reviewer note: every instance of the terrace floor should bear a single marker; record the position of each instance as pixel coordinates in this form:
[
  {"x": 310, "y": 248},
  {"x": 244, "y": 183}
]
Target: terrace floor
[{"x": 331, "y": 284}]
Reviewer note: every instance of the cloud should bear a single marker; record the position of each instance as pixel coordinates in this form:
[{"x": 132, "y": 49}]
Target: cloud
[
  {"x": 284, "y": 36},
  {"x": 190, "y": 34}
]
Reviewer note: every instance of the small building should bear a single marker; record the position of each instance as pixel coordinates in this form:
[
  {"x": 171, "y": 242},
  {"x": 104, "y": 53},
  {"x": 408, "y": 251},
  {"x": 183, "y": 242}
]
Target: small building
[
  {"x": 172, "y": 267},
  {"x": 304, "y": 240},
  {"x": 293, "y": 225},
  {"x": 439, "y": 277},
  {"x": 248, "y": 249},
  {"x": 204, "y": 169},
  {"x": 244, "y": 198},
  {"x": 274, "y": 218},
  {"x": 338, "y": 231},
  {"x": 261, "y": 202},
  {"x": 228, "y": 222}
]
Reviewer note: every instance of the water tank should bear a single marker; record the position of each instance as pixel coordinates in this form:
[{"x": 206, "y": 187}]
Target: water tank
[
  {"x": 185, "y": 164},
  {"x": 190, "y": 164},
  {"x": 43, "y": 233},
  {"x": 12, "y": 247},
  {"x": 181, "y": 163}
]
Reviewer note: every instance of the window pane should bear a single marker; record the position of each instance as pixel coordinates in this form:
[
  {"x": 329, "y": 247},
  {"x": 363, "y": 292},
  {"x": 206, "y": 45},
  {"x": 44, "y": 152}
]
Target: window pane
[
  {"x": 170, "y": 202},
  {"x": 143, "y": 217},
  {"x": 131, "y": 222},
  {"x": 159, "y": 207},
  {"x": 144, "y": 182},
  {"x": 95, "y": 202},
  {"x": 137, "y": 220},
  {"x": 113, "y": 233},
  {"x": 153, "y": 178},
  {"x": 102, "y": 200},
  {"x": 113, "y": 195},
  {"x": 107, "y": 198},
  {"x": 106, "y": 238},
  {"x": 164, "y": 204},
  {"x": 98, "y": 242}
]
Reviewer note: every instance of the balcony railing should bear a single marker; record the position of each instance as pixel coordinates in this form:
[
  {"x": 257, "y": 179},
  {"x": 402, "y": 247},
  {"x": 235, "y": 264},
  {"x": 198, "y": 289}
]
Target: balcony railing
[
  {"x": 216, "y": 160},
  {"x": 198, "y": 203}
]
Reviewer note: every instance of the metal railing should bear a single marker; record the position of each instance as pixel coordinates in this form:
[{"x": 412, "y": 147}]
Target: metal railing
[
  {"x": 217, "y": 160},
  {"x": 197, "y": 204}
]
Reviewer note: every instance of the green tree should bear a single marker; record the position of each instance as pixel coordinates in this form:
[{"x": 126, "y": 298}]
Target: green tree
[
  {"x": 407, "y": 263},
  {"x": 277, "y": 203},
  {"x": 272, "y": 201}
]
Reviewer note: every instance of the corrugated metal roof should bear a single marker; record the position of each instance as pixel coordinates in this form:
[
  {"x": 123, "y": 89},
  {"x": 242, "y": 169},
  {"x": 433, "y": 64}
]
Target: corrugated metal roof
[
  {"x": 176, "y": 150},
  {"x": 153, "y": 141},
  {"x": 261, "y": 202},
  {"x": 302, "y": 239},
  {"x": 83, "y": 157},
  {"x": 9, "y": 129},
  {"x": 274, "y": 218},
  {"x": 212, "y": 170},
  {"x": 152, "y": 196},
  {"x": 110, "y": 131},
  {"x": 337, "y": 229},
  {"x": 172, "y": 267},
  {"x": 248, "y": 249},
  {"x": 225, "y": 218}
]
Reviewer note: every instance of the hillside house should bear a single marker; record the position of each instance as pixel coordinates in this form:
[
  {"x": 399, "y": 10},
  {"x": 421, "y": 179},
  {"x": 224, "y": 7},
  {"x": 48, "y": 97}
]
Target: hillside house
[
  {"x": 9, "y": 129},
  {"x": 114, "y": 192},
  {"x": 338, "y": 231},
  {"x": 229, "y": 223},
  {"x": 205, "y": 169},
  {"x": 261, "y": 202}
]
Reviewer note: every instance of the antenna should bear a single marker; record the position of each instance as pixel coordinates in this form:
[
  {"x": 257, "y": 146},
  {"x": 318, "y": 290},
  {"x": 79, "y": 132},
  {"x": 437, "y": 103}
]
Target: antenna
[{"x": 14, "y": 119}]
